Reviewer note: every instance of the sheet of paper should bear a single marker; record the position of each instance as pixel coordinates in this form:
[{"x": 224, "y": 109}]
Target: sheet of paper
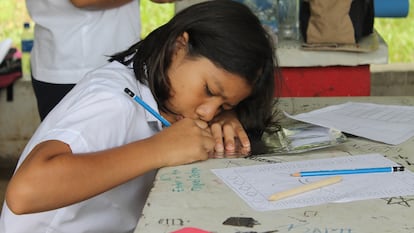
[
  {"x": 390, "y": 124},
  {"x": 254, "y": 184}
]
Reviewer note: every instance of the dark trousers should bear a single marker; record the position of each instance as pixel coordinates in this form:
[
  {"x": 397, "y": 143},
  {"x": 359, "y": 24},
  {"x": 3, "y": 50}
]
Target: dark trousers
[{"x": 48, "y": 95}]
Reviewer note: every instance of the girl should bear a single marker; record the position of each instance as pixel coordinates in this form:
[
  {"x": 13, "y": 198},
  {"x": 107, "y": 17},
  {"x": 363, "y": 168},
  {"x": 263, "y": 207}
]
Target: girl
[{"x": 91, "y": 163}]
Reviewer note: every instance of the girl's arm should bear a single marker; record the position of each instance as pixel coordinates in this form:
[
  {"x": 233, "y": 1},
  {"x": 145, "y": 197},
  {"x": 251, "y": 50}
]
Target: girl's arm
[
  {"x": 52, "y": 176},
  {"x": 106, "y": 4},
  {"x": 99, "y": 4}
]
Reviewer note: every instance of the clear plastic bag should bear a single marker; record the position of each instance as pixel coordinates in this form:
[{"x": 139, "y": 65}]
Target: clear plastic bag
[{"x": 302, "y": 137}]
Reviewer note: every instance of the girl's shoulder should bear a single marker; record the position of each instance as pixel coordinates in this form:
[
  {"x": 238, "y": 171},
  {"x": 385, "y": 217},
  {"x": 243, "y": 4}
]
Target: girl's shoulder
[{"x": 111, "y": 75}]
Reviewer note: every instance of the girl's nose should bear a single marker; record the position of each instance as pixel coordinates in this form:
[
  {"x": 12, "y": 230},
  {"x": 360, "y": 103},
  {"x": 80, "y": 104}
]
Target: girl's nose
[{"x": 207, "y": 111}]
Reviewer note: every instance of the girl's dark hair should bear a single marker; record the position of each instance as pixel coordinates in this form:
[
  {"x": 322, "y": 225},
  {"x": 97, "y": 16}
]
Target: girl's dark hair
[{"x": 228, "y": 34}]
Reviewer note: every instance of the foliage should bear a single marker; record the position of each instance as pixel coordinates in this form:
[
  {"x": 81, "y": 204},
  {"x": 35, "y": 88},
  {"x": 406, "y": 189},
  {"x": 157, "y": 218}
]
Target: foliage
[
  {"x": 154, "y": 15},
  {"x": 397, "y": 32},
  {"x": 12, "y": 17}
]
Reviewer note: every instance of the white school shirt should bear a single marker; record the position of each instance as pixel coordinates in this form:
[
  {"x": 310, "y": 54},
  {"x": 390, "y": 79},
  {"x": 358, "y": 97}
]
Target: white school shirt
[
  {"x": 69, "y": 41},
  {"x": 96, "y": 115}
]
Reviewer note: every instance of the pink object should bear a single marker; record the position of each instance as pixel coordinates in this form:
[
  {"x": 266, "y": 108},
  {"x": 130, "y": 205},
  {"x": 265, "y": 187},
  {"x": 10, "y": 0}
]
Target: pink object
[{"x": 190, "y": 230}]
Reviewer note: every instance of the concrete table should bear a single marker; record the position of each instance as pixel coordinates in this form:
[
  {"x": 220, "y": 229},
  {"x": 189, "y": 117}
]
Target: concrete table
[{"x": 192, "y": 196}]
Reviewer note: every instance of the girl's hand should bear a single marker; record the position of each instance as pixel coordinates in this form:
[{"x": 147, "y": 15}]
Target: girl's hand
[
  {"x": 230, "y": 137},
  {"x": 185, "y": 141}
]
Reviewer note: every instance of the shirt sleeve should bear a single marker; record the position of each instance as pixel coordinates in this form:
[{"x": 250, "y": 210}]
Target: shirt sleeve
[{"x": 93, "y": 120}]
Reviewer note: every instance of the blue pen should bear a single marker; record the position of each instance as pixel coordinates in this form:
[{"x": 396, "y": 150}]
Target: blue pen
[
  {"x": 147, "y": 107},
  {"x": 349, "y": 171}
]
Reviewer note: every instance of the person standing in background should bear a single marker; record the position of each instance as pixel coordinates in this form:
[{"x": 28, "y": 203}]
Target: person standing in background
[{"x": 73, "y": 37}]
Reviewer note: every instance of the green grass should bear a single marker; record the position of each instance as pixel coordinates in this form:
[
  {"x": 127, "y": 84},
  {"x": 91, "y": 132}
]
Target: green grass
[{"x": 397, "y": 32}]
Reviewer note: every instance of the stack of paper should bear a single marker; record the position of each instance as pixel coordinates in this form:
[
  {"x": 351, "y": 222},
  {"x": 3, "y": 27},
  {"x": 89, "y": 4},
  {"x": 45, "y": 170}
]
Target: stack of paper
[{"x": 390, "y": 124}]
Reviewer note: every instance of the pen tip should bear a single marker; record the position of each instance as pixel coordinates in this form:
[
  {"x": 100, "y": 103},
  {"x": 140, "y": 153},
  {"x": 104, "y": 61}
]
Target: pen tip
[
  {"x": 398, "y": 169},
  {"x": 297, "y": 174},
  {"x": 129, "y": 92}
]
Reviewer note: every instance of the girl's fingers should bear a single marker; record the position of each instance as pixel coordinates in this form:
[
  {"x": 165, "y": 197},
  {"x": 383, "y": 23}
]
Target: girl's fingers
[{"x": 217, "y": 132}]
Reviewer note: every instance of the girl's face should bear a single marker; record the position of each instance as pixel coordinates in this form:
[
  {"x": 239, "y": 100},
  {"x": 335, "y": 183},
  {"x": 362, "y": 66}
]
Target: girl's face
[{"x": 200, "y": 89}]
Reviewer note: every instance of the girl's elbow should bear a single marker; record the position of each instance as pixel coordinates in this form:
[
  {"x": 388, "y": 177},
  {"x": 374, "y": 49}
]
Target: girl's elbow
[
  {"x": 80, "y": 4},
  {"x": 18, "y": 199}
]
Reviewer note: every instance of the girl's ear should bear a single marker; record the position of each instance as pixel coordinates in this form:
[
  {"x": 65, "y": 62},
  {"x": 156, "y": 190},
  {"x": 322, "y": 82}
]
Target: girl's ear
[{"x": 182, "y": 42}]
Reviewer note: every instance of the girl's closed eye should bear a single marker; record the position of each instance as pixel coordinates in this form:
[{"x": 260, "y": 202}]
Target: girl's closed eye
[
  {"x": 208, "y": 91},
  {"x": 224, "y": 106}
]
